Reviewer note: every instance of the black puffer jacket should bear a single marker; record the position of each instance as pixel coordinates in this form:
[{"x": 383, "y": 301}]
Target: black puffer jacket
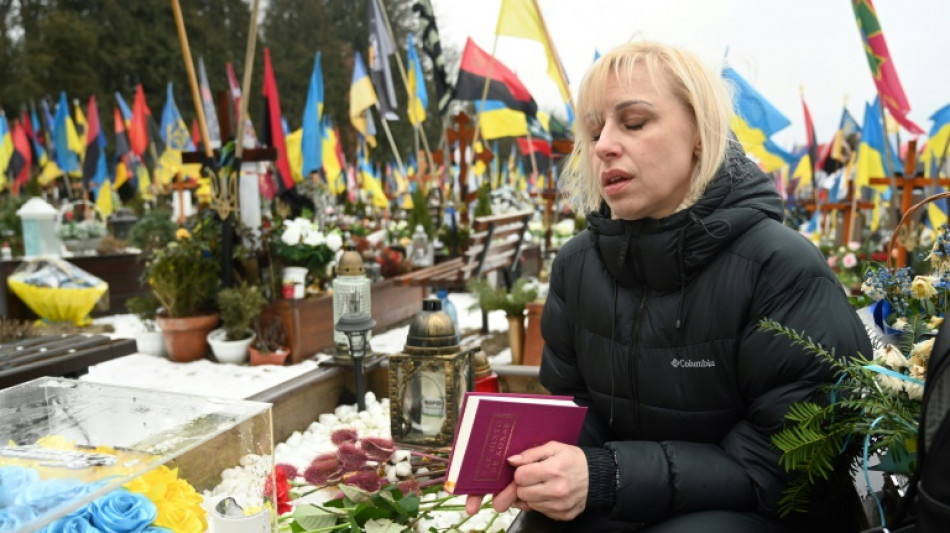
[{"x": 654, "y": 325}]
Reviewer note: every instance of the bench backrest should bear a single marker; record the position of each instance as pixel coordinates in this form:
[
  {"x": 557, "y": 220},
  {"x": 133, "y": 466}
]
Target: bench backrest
[{"x": 495, "y": 243}]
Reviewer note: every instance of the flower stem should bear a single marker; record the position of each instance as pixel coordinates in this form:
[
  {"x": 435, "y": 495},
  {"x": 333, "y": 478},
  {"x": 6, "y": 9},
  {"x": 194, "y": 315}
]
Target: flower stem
[{"x": 431, "y": 457}]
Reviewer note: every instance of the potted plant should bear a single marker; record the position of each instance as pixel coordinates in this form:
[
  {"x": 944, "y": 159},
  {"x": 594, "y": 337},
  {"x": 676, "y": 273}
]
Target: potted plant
[
  {"x": 184, "y": 278},
  {"x": 83, "y": 235},
  {"x": 146, "y": 308},
  {"x": 153, "y": 231},
  {"x": 239, "y": 306},
  {"x": 513, "y": 302},
  {"x": 305, "y": 249},
  {"x": 269, "y": 346}
]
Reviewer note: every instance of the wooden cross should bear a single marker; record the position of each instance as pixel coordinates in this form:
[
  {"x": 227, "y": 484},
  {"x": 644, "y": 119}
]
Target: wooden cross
[
  {"x": 908, "y": 183},
  {"x": 462, "y": 133},
  {"x": 849, "y": 207}
]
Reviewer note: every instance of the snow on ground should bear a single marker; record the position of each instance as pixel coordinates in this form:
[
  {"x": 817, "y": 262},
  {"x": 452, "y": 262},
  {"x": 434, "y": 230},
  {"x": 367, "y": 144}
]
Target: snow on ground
[{"x": 216, "y": 380}]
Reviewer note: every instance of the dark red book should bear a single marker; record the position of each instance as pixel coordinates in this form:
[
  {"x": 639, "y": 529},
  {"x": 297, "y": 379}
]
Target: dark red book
[{"x": 492, "y": 427}]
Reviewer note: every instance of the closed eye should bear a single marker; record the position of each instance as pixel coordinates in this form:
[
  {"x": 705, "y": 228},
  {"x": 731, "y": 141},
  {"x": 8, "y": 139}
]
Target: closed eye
[{"x": 635, "y": 127}]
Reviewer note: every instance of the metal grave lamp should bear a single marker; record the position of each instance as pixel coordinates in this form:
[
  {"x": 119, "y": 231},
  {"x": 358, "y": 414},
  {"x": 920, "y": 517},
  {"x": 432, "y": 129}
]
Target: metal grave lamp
[
  {"x": 428, "y": 380},
  {"x": 356, "y": 327},
  {"x": 351, "y": 294}
]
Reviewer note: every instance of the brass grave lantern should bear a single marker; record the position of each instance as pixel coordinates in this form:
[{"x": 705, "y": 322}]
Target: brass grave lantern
[{"x": 428, "y": 380}]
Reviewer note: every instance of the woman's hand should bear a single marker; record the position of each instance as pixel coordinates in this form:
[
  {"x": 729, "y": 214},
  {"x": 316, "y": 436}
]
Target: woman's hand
[{"x": 551, "y": 479}]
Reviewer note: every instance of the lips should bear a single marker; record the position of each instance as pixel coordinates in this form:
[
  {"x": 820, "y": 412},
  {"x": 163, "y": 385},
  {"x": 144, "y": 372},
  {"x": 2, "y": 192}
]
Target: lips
[{"x": 614, "y": 180}]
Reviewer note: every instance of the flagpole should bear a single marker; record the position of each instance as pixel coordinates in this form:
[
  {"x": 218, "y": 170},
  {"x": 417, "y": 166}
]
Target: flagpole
[
  {"x": 389, "y": 136},
  {"x": 246, "y": 82},
  {"x": 534, "y": 161},
  {"x": 405, "y": 81},
  {"x": 557, "y": 57},
  {"x": 192, "y": 80}
]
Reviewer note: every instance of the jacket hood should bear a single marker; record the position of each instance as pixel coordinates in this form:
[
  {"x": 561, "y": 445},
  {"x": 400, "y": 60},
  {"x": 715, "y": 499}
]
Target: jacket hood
[{"x": 663, "y": 254}]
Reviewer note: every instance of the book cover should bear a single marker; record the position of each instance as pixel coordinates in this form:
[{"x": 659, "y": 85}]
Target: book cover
[{"x": 495, "y": 426}]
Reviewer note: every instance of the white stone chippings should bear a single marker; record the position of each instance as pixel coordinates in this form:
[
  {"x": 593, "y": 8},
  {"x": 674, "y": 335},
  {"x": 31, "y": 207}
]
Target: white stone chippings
[{"x": 244, "y": 482}]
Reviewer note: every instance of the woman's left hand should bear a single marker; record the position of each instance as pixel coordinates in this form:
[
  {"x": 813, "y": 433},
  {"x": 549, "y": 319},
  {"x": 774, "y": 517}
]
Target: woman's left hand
[{"x": 551, "y": 479}]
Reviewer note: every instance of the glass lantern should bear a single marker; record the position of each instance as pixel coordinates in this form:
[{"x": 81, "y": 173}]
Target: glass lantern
[
  {"x": 428, "y": 380},
  {"x": 421, "y": 253},
  {"x": 38, "y": 219},
  {"x": 351, "y": 294}
]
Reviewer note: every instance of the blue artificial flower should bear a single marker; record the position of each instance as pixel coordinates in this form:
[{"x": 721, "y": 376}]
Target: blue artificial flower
[
  {"x": 122, "y": 511},
  {"x": 13, "y": 481},
  {"x": 16, "y": 516},
  {"x": 72, "y": 523},
  {"x": 47, "y": 495}
]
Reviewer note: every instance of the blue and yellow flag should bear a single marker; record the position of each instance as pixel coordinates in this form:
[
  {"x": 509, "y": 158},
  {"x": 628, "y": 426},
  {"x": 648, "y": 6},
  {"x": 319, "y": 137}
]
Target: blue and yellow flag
[
  {"x": 177, "y": 139},
  {"x": 65, "y": 138},
  {"x": 871, "y": 162},
  {"x": 496, "y": 120},
  {"x": 332, "y": 165},
  {"x": 938, "y": 145},
  {"x": 311, "y": 144},
  {"x": 369, "y": 182},
  {"x": 755, "y": 120},
  {"x": 6, "y": 145},
  {"x": 418, "y": 99},
  {"x": 362, "y": 97}
]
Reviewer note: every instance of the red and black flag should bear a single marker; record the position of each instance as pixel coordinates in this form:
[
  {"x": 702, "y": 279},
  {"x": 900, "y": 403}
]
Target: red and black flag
[
  {"x": 18, "y": 169},
  {"x": 93, "y": 163},
  {"x": 273, "y": 134},
  {"x": 504, "y": 85}
]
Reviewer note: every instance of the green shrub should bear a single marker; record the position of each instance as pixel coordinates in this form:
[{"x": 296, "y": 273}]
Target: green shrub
[{"x": 239, "y": 306}]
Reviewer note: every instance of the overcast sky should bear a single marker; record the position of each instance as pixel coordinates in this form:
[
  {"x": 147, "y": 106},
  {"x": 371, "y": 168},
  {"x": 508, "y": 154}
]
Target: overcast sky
[{"x": 777, "y": 46}]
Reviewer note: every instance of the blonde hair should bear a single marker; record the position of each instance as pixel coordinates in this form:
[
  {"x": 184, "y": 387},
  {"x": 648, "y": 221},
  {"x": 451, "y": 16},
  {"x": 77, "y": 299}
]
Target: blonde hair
[{"x": 700, "y": 89}]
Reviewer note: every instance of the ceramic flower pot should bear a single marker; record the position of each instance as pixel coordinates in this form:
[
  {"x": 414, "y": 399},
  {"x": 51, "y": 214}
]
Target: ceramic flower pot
[
  {"x": 231, "y": 352},
  {"x": 186, "y": 337},
  {"x": 270, "y": 358},
  {"x": 297, "y": 278},
  {"x": 150, "y": 343}
]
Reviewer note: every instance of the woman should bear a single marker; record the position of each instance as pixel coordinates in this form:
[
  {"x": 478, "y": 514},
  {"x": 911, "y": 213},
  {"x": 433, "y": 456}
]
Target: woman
[{"x": 653, "y": 312}]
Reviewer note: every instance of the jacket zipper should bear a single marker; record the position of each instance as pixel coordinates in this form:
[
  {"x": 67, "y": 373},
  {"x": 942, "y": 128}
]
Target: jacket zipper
[{"x": 634, "y": 370}]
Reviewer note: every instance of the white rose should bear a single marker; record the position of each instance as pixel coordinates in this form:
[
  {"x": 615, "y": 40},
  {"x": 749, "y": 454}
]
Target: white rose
[
  {"x": 314, "y": 238},
  {"x": 890, "y": 383},
  {"x": 891, "y": 357},
  {"x": 923, "y": 287},
  {"x": 290, "y": 236},
  {"x": 334, "y": 241},
  {"x": 914, "y": 391}
]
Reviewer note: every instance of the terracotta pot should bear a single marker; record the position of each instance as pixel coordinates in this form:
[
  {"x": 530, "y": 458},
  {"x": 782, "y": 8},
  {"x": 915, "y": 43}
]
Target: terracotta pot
[
  {"x": 516, "y": 338},
  {"x": 186, "y": 337},
  {"x": 271, "y": 358}
]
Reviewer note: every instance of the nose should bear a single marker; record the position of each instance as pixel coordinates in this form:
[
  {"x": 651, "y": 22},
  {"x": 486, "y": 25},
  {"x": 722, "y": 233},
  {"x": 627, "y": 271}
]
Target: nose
[{"x": 606, "y": 147}]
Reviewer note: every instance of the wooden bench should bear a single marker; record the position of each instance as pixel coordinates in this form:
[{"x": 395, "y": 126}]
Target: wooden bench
[
  {"x": 57, "y": 355},
  {"x": 495, "y": 244}
]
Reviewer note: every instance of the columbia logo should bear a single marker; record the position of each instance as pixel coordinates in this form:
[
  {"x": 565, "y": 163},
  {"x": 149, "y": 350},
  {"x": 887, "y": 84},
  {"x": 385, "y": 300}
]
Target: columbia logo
[{"x": 686, "y": 363}]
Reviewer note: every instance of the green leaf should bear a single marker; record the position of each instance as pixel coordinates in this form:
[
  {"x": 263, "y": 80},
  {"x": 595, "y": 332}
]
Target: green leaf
[
  {"x": 365, "y": 512},
  {"x": 356, "y": 494},
  {"x": 383, "y": 526},
  {"x": 313, "y": 517}
]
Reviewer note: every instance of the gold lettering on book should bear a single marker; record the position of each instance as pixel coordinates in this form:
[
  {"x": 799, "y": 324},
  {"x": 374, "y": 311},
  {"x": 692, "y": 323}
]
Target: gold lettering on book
[{"x": 495, "y": 446}]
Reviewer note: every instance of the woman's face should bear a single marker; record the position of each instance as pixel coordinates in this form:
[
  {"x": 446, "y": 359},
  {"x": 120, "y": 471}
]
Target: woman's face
[{"x": 644, "y": 147}]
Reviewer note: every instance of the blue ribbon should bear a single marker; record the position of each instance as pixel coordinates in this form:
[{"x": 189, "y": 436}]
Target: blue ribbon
[
  {"x": 867, "y": 477},
  {"x": 888, "y": 372},
  {"x": 880, "y": 310}
]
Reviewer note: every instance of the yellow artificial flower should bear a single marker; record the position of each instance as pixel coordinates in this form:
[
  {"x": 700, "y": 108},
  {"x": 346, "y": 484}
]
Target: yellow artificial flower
[
  {"x": 920, "y": 353},
  {"x": 181, "y": 518},
  {"x": 923, "y": 288},
  {"x": 935, "y": 322},
  {"x": 182, "y": 234},
  {"x": 56, "y": 442}
]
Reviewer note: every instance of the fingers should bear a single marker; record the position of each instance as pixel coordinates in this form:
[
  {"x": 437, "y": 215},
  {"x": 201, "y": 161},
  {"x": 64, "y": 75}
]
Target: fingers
[
  {"x": 536, "y": 454},
  {"x": 472, "y": 504},
  {"x": 506, "y": 498}
]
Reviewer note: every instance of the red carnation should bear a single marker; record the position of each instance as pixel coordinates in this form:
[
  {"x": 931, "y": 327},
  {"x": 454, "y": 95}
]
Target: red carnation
[{"x": 283, "y": 490}]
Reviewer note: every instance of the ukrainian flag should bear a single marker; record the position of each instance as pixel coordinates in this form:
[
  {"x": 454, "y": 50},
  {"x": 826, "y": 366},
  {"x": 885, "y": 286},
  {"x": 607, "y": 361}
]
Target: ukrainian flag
[
  {"x": 870, "y": 160},
  {"x": 754, "y": 121},
  {"x": 332, "y": 166},
  {"x": 6, "y": 146},
  {"x": 496, "y": 120},
  {"x": 418, "y": 99},
  {"x": 362, "y": 97},
  {"x": 369, "y": 182},
  {"x": 934, "y": 157}
]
